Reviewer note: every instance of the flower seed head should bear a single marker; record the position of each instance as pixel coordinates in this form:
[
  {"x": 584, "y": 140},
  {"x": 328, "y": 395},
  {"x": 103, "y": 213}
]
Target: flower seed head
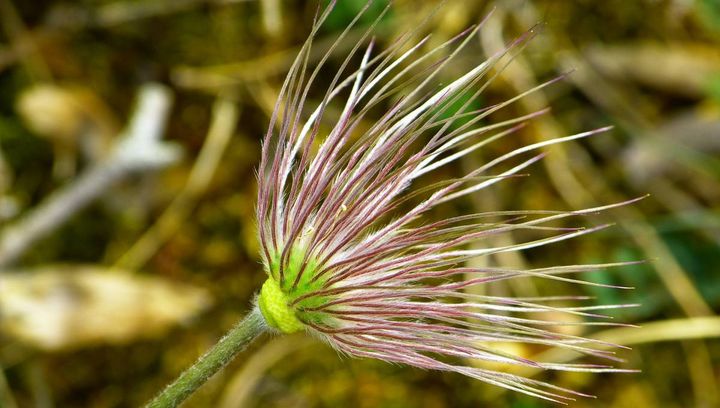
[{"x": 351, "y": 253}]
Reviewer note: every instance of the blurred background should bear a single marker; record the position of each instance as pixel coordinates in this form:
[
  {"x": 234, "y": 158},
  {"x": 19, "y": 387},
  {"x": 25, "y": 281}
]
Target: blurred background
[{"x": 127, "y": 237}]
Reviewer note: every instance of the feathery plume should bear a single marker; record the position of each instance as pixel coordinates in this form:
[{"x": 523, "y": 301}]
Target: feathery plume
[{"x": 345, "y": 264}]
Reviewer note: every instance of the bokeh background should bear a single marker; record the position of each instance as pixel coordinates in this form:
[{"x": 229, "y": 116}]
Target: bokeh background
[{"x": 126, "y": 274}]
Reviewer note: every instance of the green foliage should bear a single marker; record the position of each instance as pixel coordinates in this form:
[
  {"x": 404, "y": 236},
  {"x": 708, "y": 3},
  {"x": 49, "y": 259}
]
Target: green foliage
[
  {"x": 346, "y": 10},
  {"x": 709, "y": 13},
  {"x": 713, "y": 86}
]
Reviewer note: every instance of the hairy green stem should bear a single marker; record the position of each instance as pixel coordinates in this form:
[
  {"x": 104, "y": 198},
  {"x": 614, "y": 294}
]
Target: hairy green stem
[{"x": 211, "y": 362}]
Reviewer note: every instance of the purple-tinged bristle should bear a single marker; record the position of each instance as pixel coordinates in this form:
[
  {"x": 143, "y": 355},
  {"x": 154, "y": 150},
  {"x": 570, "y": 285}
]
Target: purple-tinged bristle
[{"x": 352, "y": 245}]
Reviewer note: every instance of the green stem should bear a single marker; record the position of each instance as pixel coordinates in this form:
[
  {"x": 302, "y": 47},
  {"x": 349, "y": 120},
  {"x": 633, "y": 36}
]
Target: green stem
[{"x": 211, "y": 362}]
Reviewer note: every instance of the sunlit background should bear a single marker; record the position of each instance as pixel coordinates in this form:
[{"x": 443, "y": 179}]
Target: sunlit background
[{"x": 117, "y": 270}]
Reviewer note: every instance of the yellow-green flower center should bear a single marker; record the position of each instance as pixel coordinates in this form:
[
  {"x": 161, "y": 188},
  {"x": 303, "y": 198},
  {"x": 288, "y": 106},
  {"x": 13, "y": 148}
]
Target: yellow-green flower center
[
  {"x": 297, "y": 281},
  {"x": 273, "y": 303}
]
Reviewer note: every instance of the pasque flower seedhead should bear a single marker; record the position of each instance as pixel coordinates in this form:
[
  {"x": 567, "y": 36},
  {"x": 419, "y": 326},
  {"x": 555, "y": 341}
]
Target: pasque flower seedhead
[{"x": 349, "y": 248}]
